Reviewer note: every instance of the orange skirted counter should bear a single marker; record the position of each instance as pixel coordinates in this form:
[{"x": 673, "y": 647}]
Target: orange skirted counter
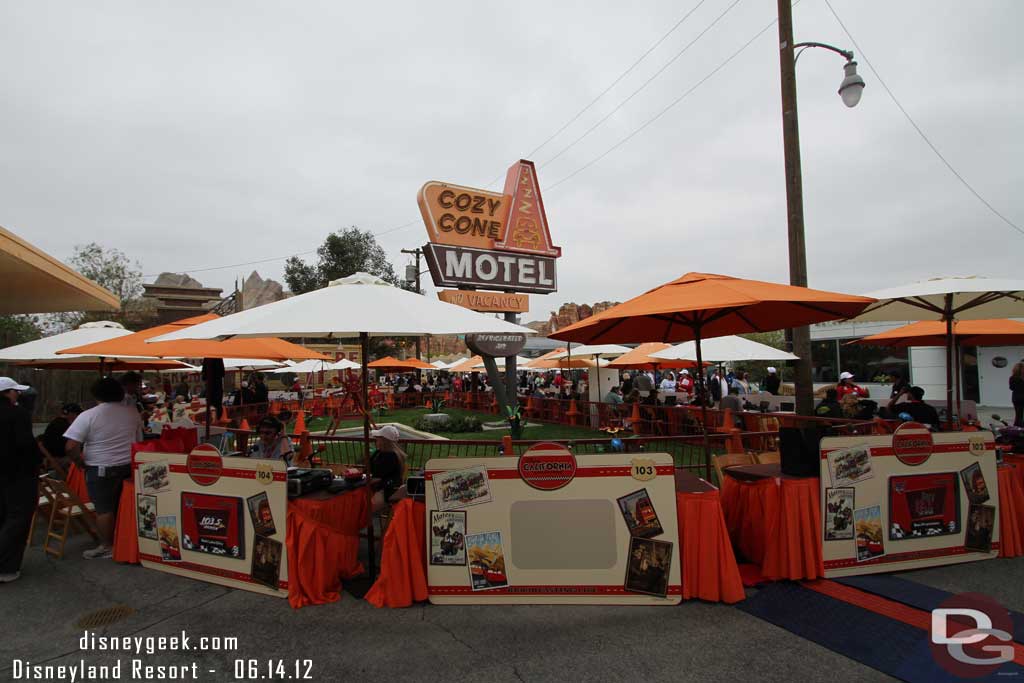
[
  {"x": 774, "y": 522},
  {"x": 709, "y": 566},
  {"x": 76, "y": 482}
]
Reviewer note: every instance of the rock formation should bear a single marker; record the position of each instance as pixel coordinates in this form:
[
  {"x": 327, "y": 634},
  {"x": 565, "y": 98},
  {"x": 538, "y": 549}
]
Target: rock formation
[
  {"x": 256, "y": 291},
  {"x": 567, "y": 314}
]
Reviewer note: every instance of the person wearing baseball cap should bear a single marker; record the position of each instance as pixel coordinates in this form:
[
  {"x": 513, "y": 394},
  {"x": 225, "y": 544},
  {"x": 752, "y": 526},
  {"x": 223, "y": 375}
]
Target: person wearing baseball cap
[
  {"x": 772, "y": 382},
  {"x": 387, "y": 463},
  {"x": 19, "y": 492},
  {"x": 847, "y": 386}
]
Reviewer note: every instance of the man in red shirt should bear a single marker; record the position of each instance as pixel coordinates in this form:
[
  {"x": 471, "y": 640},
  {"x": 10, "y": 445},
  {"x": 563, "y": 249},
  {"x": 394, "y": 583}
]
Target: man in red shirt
[{"x": 847, "y": 386}]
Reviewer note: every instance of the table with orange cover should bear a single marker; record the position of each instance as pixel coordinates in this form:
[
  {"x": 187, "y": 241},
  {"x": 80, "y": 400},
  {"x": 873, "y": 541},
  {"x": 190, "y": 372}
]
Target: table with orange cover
[
  {"x": 774, "y": 521},
  {"x": 709, "y": 566},
  {"x": 76, "y": 482},
  {"x": 323, "y": 544},
  {"x": 1011, "y": 506}
]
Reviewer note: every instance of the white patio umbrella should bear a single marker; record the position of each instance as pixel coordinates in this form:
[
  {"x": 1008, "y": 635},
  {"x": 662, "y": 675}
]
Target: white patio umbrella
[
  {"x": 345, "y": 364},
  {"x": 947, "y": 299},
  {"x": 361, "y": 305},
  {"x": 500, "y": 362},
  {"x": 439, "y": 364},
  {"x": 42, "y": 353},
  {"x": 730, "y": 348},
  {"x": 250, "y": 364}
]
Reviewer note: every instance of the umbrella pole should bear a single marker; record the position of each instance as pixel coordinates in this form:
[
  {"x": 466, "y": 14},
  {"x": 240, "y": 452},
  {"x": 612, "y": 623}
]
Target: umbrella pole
[
  {"x": 948, "y": 315},
  {"x": 958, "y": 351},
  {"x": 703, "y": 409},
  {"x": 364, "y": 343}
]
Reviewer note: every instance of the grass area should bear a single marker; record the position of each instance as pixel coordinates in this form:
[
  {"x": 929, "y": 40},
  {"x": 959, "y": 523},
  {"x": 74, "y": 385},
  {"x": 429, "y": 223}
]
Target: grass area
[{"x": 350, "y": 453}]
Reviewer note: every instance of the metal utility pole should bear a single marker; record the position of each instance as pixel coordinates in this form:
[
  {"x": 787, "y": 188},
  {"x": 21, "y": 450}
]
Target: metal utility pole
[
  {"x": 800, "y": 336},
  {"x": 419, "y": 254}
]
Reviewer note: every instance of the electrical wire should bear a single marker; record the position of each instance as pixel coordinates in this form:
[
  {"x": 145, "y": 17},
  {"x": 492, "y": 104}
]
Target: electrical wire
[
  {"x": 636, "y": 92},
  {"x": 665, "y": 110},
  {"x": 910, "y": 120}
]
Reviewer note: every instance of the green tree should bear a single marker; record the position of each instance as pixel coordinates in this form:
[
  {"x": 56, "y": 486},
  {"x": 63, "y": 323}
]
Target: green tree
[
  {"x": 112, "y": 270},
  {"x": 18, "y": 329},
  {"x": 759, "y": 369},
  {"x": 343, "y": 253}
]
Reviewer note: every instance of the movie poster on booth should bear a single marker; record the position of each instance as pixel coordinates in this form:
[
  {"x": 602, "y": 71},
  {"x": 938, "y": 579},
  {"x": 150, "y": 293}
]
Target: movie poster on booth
[
  {"x": 638, "y": 512},
  {"x": 462, "y": 488},
  {"x": 848, "y": 466},
  {"x": 448, "y": 537},
  {"x": 839, "y": 505},
  {"x": 213, "y": 524},
  {"x": 266, "y": 561},
  {"x": 868, "y": 530},
  {"x": 486, "y": 561},
  {"x": 167, "y": 528},
  {"x": 155, "y": 476},
  {"x": 649, "y": 566},
  {"x": 980, "y": 521},
  {"x": 974, "y": 483},
  {"x": 145, "y": 512},
  {"x": 261, "y": 515}
]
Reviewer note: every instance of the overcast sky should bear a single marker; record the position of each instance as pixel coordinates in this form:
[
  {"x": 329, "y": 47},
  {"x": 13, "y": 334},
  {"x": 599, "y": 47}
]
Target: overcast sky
[{"x": 192, "y": 135}]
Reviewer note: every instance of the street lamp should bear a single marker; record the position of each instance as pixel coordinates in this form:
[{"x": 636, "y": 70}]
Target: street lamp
[{"x": 850, "y": 90}]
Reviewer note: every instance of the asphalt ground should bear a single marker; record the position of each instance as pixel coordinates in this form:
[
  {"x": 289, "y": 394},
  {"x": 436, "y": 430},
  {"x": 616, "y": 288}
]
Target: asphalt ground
[{"x": 351, "y": 639}]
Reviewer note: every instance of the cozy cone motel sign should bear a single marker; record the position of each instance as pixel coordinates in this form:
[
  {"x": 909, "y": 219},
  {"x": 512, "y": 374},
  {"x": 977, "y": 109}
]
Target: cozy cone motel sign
[{"x": 481, "y": 240}]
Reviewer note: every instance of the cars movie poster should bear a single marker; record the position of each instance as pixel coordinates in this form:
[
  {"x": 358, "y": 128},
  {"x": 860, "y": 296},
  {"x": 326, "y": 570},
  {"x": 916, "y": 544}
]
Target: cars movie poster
[
  {"x": 213, "y": 524},
  {"x": 924, "y": 505}
]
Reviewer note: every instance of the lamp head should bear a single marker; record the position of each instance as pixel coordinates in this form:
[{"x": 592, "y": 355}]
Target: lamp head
[{"x": 852, "y": 86}]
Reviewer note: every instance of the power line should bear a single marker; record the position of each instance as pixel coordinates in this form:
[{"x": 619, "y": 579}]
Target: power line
[
  {"x": 916, "y": 127},
  {"x": 666, "y": 109},
  {"x": 642, "y": 86},
  {"x": 604, "y": 92}
]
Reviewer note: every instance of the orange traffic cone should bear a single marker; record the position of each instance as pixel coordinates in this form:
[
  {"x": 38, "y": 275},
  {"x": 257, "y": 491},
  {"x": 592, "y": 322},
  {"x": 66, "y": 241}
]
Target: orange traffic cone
[
  {"x": 244, "y": 426},
  {"x": 305, "y": 448},
  {"x": 529, "y": 406},
  {"x": 635, "y": 418},
  {"x": 224, "y": 417},
  {"x": 391, "y": 400},
  {"x": 506, "y": 445},
  {"x": 300, "y": 423},
  {"x": 734, "y": 443}
]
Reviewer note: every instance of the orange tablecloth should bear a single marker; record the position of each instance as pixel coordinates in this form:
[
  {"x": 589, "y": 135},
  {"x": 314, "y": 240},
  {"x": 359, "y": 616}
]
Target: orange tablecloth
[
  {"x": 126, "y": 531},
  {"x": 403, "y": 558},
  {"x": 323, "y": 545},
  {"x": 76, "y": 482},
  {"x": 709, "y": 565},
  {"x": 774, "y": 523},
  {"x": 1011, "y": 510}
]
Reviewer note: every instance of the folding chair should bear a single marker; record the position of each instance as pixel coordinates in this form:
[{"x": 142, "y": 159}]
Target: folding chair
[
  {"x": 66, "y": 510},
  {"x": 721, "y": 462}
]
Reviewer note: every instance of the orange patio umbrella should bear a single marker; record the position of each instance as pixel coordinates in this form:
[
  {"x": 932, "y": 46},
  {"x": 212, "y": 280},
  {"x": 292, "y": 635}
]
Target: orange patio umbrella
[
  {"x": 270, "y": 348},
  {"x": 566, "y": 364},
  {"x": 546, "y": 356},
  {"x": 390, "y": 364},
  {"x": 417, "y": 364},
  {"x": 704, "y": 305},
  {"x": 998, "y": 332},
  {"x": 640, "y": 359},
  {"x": 467, "y": 365}
]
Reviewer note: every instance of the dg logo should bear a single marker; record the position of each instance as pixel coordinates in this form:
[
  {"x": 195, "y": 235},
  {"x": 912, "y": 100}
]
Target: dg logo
[{"x": 264, "y": 474}]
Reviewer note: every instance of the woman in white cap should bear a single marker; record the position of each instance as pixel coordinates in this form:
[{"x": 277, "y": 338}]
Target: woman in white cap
[
  {"x": 847, "y": 387},
  {"x": 386, "y": 467},
  {"x": 19, "y": 492},
  {"x": 772, "y": 382},
  {"x": 684, "y": 385}
]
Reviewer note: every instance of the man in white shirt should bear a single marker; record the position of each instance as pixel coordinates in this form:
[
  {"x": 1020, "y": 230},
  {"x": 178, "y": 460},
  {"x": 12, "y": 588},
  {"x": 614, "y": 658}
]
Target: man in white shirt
[{"x": 107, "y": 433}]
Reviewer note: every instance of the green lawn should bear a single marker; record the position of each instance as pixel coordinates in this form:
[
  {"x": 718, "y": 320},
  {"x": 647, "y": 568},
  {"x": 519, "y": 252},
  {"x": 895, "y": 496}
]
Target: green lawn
[{"x": 350, "y": 452}]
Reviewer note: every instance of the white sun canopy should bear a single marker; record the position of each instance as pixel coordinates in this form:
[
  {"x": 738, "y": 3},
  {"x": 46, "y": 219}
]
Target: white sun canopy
[
  {"x": 972, "y": 298},
  {"x": 724, "y": 349},
  {"x": 592, "y": 351},
  {"x": 346, "y": 308}
]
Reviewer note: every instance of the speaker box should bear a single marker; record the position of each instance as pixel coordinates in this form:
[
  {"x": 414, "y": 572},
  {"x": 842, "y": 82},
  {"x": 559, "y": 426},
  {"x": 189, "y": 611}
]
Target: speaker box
[{"x": 798, "y": 448}]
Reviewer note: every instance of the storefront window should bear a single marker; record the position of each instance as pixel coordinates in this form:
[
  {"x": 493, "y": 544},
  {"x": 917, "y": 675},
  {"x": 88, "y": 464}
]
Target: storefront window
[
  {"x": 823, "y": 360},
  {"x": 871, "y": 363}
]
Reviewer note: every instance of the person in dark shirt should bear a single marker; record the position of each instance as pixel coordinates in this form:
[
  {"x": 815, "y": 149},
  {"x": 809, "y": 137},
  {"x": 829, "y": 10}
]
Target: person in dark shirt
[
  {"x": 386, "y": 467},
  {"x": 260, "y": 389},
  {"x": 19, "y": 492},
  {"x": 917, "y": 409},
  {"x": 829, "y": 406},
  {"x": 772, "y": 382},
  {"x": 53, "y": 438}
]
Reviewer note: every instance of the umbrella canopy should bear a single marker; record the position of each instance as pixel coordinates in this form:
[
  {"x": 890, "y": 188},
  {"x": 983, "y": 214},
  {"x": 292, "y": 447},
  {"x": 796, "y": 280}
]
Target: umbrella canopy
[
  {"x": 250, "y": 364},
  {"x": 702, "y": 305},
  {"x": 138, "y": 344},
  {"x": 568, "y": 364},
  {"x": 350, "y": 307},
  {"x": 640, "y": 359},
  {"x": 948, "y": 299},
  {"x": 466, "y": 365},
  {"x": 998, "y": 332},
  {"x": 306, "y": 366},
  {"x": 345, "y": 364},
  {"x": 547, "y": 356},
  {"x": 960, "y": 298},
  {"x": 500, "y": 362},
  {"x": 43, "y": 353},
  {"x": 35, "y": 282},
  {"x": 724, "y": 349},
  {"x": 593, "y": 351},
  {"x": 417, "y": 364},
  {"x": 439, "y": 365},
  {"x": 389, "y": 364}
]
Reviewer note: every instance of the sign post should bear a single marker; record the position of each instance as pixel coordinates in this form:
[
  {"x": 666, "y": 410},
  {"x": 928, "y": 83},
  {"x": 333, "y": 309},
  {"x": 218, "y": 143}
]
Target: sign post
[{"x": 482, "y": 240}]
